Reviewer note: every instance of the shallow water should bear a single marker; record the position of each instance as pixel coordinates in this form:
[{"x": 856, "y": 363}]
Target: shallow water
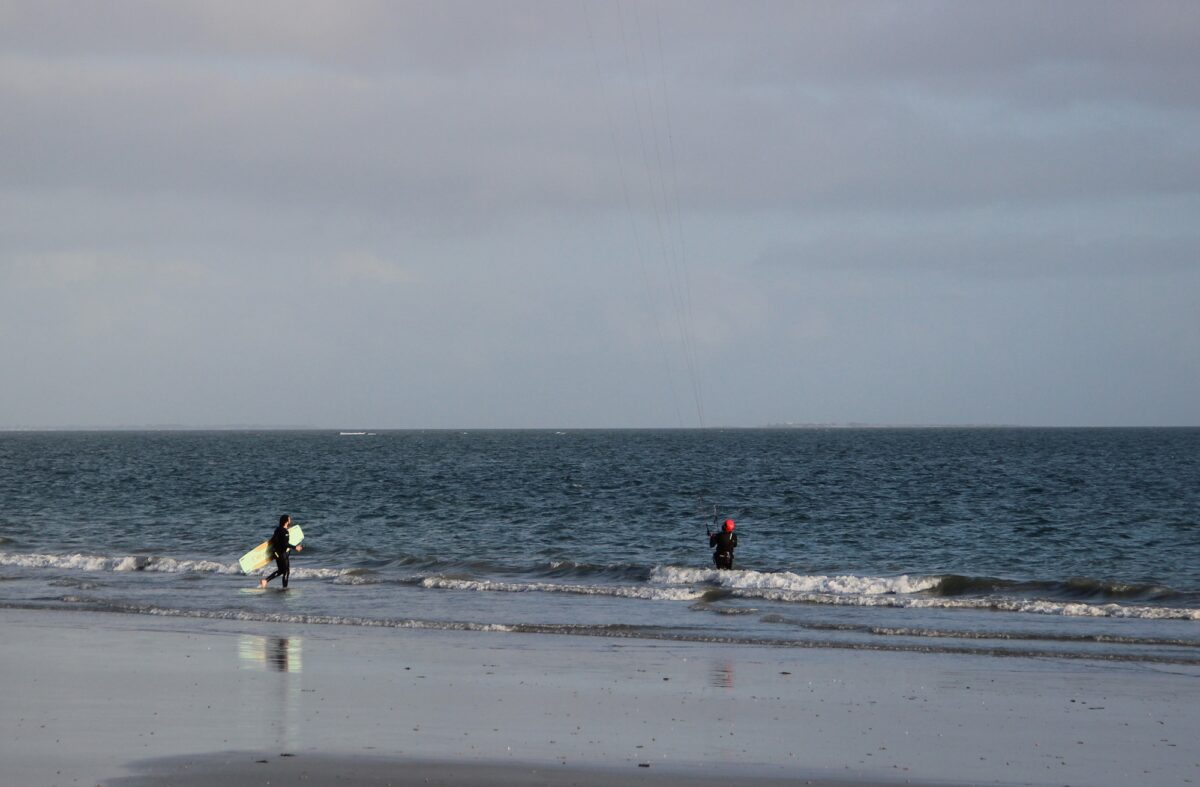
[{"x": 1063, "y": 542}]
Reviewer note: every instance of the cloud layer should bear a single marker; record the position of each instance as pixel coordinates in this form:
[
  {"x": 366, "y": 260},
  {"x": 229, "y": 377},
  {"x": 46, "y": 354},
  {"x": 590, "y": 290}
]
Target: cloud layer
[{"x": 599, "y": 214}]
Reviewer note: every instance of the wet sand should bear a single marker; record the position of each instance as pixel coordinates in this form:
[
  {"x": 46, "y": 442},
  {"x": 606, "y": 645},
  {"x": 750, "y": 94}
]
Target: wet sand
[
  {"x": 139, "y": 700},
  {"x": 243, "y": 769}
]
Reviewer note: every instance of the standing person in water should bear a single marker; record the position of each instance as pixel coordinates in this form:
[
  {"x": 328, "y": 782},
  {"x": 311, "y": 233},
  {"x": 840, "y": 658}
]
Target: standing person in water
[
  {"x": 725, "y": 541},
  {"x": 278, "y": 547}
]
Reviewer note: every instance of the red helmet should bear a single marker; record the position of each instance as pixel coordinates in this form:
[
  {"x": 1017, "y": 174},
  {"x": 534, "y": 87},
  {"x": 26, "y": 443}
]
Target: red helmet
[{"x": 729, "y": 526}]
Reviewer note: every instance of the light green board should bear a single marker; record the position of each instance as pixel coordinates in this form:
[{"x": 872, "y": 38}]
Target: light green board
[{"x": 259, "y": 556}]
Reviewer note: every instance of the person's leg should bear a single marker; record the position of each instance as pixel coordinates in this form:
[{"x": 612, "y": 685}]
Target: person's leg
[
  {"x": 280, "y": 570},
  {"x": 285, "y": 567}
]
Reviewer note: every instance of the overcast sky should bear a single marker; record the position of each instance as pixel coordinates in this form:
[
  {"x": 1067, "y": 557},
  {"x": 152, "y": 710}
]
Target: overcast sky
[{"x": 599, "y": 214}]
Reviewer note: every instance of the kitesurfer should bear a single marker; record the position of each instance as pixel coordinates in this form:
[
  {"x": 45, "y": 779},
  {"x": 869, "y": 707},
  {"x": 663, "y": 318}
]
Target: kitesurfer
[
  {"x": 725, "y": 541},
  {"x": 278, "y": 548}
]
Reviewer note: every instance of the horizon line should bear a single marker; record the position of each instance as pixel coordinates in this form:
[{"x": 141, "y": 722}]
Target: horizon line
[{"x": 849, "y": 425}]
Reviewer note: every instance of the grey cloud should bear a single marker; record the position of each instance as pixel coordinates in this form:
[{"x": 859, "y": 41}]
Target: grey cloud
[
  {"x": 534, "y": 133},
  {"x": 475, "y": 214},
  {"x": 990, "y": 254}
]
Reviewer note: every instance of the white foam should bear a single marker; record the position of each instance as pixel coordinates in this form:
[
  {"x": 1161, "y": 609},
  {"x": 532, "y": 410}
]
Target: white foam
[
  {"x": 1028, "y": 606},
  {"x": 332, "y": 620},
  {"x": 318, "y": 573},
  {"x": 76, "y": 562},
  {"x": 900, "y": 592},
  {"x": 844, "y": 584},
  {"x": 169, "y": 565},
  {"x": 621, "y": 591},
  {"x": 128, "y": 563},
  {"x": 348, "y": 578},
  {"x": 1075, "y": 609}
]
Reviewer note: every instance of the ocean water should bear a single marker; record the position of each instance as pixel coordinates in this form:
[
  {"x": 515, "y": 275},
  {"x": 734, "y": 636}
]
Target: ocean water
[{"x": 1058, "y": 543}]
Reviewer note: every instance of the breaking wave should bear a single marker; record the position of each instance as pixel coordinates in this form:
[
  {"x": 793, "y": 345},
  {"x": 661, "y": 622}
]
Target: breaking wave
[
  {"x": 148, "y": 563},
  {"x": 622, "y": 591},
  {"x": 1079, "y": 588},
  {"x": 1074, "y": 597},
  {"x": 749, "y": 582},
  {"x": 935, "y": 592}
]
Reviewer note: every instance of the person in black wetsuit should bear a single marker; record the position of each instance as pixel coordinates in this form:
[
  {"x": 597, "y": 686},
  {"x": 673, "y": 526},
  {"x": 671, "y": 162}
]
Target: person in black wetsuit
[
  {"x": 725, "y": 541},
  {"x": 278, "y": 546}
]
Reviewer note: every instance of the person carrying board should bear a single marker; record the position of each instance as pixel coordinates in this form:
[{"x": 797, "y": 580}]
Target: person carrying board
[{"x": 278, "y": 548}]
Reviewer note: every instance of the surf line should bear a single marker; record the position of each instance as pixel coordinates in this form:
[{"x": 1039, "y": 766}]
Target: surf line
[{"x": 628, "y": 633}]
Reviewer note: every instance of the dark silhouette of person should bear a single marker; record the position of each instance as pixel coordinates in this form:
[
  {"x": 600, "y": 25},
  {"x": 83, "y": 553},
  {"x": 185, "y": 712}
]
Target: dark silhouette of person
[
  {"x": 278, "y": 547},
  {"x": 724, "y": 541}
]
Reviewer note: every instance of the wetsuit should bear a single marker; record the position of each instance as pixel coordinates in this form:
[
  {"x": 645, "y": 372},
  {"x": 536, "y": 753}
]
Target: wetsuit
[
  {"x": 279, "y": 550},
  {"x": 725, "y": 543}
]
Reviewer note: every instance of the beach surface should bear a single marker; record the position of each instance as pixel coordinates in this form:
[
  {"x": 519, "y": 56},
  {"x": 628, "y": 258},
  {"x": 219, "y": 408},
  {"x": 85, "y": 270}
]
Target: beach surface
[{"x": 141, "y": 700}]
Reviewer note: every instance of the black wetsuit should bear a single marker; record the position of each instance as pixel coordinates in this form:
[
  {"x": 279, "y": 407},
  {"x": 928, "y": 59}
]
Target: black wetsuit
[
  {"x": 279, "y": 550},
  {"x": 725, "y": 543}
]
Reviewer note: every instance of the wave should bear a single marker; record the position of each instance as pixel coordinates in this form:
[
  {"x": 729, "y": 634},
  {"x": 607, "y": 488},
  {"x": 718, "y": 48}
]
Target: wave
[
  {"x": 992, "y": 603},
  {"x": 358, "y": 576},
  {"x": 570, "y": 568},
  {"x": 72, "y": 582},
  {"x": 1079, "y": 588},
  {"x": 416, "y": 569},
  {"x": 148, "y": 563},
  {"x": 934, "y": 592},
  {"x": 1010, "y": 636},
  {"x": 621, "y": 591},
  {"x": 705, "y": 585},
  {"x": 750, "y": 581},
  {"x": 619, "y": 631},
  {"x": 1077, "y": 597},
  {"x": 99, "y": 563},
  {"x": 350, "y": 576}
]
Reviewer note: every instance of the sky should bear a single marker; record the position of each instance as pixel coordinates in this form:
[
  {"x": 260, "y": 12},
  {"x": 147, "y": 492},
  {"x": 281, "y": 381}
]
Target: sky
[{"x": 587, "y": 213}]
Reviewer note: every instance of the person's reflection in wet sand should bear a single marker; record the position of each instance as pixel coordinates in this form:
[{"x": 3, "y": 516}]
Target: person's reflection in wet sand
[
  {"x": 277, "y": 654},
  {"x": 721, "y": 675}
]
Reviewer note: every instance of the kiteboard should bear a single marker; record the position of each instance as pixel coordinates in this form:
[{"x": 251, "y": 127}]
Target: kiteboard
[{"x": 261, "y": 555}]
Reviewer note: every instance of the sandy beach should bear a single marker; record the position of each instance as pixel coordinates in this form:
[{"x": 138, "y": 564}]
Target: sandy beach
[{"x": 139, "y": 700}]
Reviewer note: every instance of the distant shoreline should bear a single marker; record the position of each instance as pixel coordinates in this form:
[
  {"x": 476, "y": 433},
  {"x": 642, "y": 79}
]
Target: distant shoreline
[{"x": 784, "y": 426}]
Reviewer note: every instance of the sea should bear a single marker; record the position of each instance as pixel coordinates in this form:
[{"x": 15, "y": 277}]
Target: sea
[{"x": 1045, "y": 543}]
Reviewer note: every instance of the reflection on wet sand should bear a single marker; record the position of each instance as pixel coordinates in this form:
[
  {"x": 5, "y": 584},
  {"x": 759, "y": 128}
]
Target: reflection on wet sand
[
  {"x": 721, "y": 675},
  {"x": 278, "y": 693},
  {"x": 279, "y": 654}
]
